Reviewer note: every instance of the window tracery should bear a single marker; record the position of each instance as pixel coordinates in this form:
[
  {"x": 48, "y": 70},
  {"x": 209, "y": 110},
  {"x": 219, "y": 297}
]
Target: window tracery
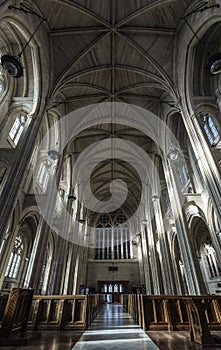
[
  {"x": 210, "y": 129},
  {"x": 17, "y": 129},
  {"x": 213, "y": 266},
  {"x": 43, "y": 175},
  {"x": 113, "y": 239},
  {"x": 15, "y": 259}
]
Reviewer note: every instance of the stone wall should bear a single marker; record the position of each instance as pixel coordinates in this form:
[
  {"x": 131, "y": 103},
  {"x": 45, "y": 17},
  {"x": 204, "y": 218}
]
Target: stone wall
[{"x": 127, "y": 271}]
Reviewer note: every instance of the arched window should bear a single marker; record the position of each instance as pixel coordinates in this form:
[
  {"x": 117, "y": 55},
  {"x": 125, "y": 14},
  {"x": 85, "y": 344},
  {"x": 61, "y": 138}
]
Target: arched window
[
  {"x": 165, "y": 200},
  {"x": 113, "y": 239},
  {"x": 17, "y": 128},
  {"x": 43, "y": 175},
  {"x": 210, "y": 129},
  {"x": 213, "y": 267},
  {"x": 183, "y": 175},
  {"x": 15, "y": 259}
]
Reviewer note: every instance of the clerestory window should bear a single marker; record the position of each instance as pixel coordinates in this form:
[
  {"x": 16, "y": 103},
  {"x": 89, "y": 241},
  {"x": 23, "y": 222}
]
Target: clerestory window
[
  {"x": 210, "y": 129},
  {"x": 43, "y": 175},
  {"x": 17, "y": 129}
]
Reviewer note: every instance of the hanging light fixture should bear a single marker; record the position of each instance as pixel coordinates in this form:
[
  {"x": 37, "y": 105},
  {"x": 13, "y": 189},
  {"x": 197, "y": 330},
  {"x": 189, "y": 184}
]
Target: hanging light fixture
[
  {"x": 11, "y": 64},
  {"x": 173, "y": 153},
  {"x": 72, "y": 198},
  {"x": 215, "y": 64},
  {"x": 53, "y": 154}
]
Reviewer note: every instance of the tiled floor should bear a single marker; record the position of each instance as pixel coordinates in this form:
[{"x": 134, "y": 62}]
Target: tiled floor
[
  {"x": 50, "y": 340},
  {"x": 180, "y": 340},
  {"x": 114, "y": 329}
]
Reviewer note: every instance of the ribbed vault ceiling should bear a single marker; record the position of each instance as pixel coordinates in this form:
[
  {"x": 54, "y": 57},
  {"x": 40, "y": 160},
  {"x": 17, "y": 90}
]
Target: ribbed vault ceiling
[
  {"x": 106, "y": 51},
  {"x": 113, "y": 50}
]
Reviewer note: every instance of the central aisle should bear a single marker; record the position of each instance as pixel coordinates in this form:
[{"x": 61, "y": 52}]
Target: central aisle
[{"x": 113, "y": 329}]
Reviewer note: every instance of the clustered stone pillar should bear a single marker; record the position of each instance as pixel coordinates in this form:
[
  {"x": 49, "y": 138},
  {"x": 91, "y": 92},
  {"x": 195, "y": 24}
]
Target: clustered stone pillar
[
  {"x": 191, "y": 266},
  {"x": 20, "y": 158},
  {"x": 167, "y": 274},
  {"x": 154, "y": 261},
  {"x": 146, "y": 259}
]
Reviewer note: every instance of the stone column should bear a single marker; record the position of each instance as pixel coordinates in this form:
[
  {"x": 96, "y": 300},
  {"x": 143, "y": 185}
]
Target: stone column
[
  {"x": 191, "y": 265},
  {"x": 17, "y": 171},
  {"x": 61, "y": 263},
  {"x": 167, "y": 273},
  {"x": 37, "y": 257},
  {"x": 72, "y": 268},
  {"x": 146, "y": 260},
  {"x": 153, "y": 256},
  {"x": 208, "y": 168},
  {"x": 62, "y": 253},
  {"x": 140, "y": 258}
]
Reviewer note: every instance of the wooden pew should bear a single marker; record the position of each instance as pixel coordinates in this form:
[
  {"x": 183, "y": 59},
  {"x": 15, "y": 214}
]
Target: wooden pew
[
  {"x": 15, "y": 317},
  {"x": 64, "y": 312},
  {"x": 199, "y": 330},
  {"x": 170, "y": 312},
  {"x": 58, "y": 312}
]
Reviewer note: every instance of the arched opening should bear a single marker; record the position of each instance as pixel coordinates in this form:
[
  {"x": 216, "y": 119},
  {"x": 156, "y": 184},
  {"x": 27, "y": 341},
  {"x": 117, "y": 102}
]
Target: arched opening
[
  {"x": 207, "y": 255},
  {"x": 20, "y": 251}
]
